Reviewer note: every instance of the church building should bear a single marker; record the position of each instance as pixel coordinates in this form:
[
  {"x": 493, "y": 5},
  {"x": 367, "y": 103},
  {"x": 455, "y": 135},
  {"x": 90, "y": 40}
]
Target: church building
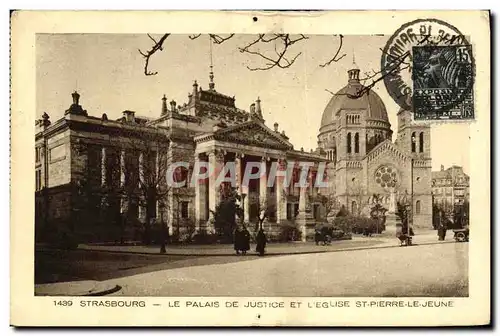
[{"x": 356, "y": 135}]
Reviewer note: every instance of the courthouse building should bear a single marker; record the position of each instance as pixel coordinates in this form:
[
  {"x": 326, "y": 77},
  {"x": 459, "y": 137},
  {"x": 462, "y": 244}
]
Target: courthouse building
[{"x": 89, "y": 168}]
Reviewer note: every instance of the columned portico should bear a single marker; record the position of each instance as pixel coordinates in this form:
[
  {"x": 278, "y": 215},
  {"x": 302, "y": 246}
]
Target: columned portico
[{"x": 264, "y": 189}]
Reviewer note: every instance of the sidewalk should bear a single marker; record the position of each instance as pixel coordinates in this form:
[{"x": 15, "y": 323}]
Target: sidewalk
[
  {"x": 76, "y": 288},
  {"x": 357, "y": 243}
]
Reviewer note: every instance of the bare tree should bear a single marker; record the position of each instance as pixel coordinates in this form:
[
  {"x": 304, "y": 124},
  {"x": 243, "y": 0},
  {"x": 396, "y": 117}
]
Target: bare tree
[
  {"x": 275, "y": 50},
  {"x": 330, "y": 204},
  {"x": 279, "y": 58},
  {"x": 266, "y": 209},
  {"x": 144, "y": 164}
]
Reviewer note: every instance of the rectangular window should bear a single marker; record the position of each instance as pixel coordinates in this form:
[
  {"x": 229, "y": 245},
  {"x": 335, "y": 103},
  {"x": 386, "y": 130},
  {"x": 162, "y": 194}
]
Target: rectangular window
[
  {"x": 58, "y": 152},
  {"x": 184, "y": 209},
  {"x": 37, "y": 154},
  {"x": 316, "y": 211},
  {"x": 38, "y": 180},
  {"x": 289, "y": 211}
]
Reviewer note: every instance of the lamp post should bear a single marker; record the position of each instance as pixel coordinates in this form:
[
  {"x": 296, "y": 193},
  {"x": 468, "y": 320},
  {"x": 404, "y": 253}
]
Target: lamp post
[{"x": 243, "y": 196}]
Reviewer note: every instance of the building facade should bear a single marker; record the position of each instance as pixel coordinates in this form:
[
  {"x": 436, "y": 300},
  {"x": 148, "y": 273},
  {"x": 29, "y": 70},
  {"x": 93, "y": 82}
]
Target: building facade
[
  {"x": 97, "y": 176},
  {"x": 356, "y": 135},
  {"x": 450, "y": 186}
]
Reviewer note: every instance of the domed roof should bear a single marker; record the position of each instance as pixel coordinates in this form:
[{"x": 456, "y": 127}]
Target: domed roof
[{"x": 347, "y": 98}]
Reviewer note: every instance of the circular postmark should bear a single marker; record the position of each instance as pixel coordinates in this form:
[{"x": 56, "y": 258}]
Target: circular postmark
[{"x": 428, "y": 67}]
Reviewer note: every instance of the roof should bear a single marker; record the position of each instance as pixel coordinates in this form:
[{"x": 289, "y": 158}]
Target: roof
[{"x": 347, "y": 98}]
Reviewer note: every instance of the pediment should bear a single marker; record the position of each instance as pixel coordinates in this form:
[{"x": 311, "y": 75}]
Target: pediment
[
  {"x": 253, "y": 133},
  {"x": 384, "y": 149}
]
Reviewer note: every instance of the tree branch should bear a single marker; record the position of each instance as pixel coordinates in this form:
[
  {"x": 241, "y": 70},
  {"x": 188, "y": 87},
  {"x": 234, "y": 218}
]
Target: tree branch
[
  {"x": 158, "y": 45},
  {"x": 280, "y": 60},
  {"x": 335, "y": 58}
]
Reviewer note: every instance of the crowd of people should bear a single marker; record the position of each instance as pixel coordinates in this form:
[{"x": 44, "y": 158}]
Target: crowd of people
[{"x": 242, "y": 241}]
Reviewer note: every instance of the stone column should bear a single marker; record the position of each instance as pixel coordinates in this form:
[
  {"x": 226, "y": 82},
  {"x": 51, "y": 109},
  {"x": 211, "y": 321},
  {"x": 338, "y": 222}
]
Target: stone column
[
  {"x": 216, "y": 162},
  {"x": 238, "y": 177},
  {"x": 122, "y": 168},
  {"x": 142, "y": 210},
  {"x": 263, "y": 186},
  {"x": 280, "y": 193},
  {"x": 141, "y": 169},
  {"x": 245, "y": 190},
  {"x": 200, "y": 196},
  {"x": 305, "y": 213},
  {"x": 391, "y": 220},
  {"x": 301, "y": 217},
  {"x": 238, "y": 173},
  {"x": 123, "y": 201},
  {"x": 103, "y": 166}
]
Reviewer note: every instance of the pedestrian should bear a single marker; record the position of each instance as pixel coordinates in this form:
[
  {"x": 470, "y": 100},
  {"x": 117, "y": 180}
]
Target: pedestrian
[
  {"x": 245, "y": 240},
  {"x": 442, "y": 230},
  {"x": 317, "y": 236},
  {"x": 237, "y": 236},
  {"x": 261, "y": 242},
  {"x": 445, "y": 229}
]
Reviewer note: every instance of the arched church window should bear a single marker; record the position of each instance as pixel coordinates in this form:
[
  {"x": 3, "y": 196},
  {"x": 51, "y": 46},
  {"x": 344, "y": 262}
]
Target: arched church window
[
  {"x": 349, "y": 142},
  {"x": 413, "y": 143},
  {"x": 421, "y": 142},
  {"x": 417, "y": 208},
  {"x": 356, "y": 143},
  {"x": 354, "y": 208}
]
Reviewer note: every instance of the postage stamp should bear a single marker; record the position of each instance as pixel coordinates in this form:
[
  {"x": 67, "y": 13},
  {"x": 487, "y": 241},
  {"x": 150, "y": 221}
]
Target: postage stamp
[
  {"x": 442, "y": 82},
  {"x": 428, "y": 68}
]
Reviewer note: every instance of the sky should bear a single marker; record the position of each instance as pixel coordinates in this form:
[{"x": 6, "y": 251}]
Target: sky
[{"x": 108, "y": 72}]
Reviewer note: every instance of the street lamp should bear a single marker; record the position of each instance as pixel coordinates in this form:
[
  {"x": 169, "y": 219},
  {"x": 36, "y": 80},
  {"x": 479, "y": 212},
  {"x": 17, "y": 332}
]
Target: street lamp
[{"x": 243, "y": 196}]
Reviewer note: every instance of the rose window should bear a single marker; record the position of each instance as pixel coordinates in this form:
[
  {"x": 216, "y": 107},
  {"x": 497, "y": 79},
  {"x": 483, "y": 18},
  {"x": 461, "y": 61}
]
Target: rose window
[{"x": 386, "y": 177}]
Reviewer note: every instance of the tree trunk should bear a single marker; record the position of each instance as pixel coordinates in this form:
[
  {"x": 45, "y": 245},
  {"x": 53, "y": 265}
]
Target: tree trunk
[
  {"x": 147, "y": 229},
  {"x": 163, "y": 247}
]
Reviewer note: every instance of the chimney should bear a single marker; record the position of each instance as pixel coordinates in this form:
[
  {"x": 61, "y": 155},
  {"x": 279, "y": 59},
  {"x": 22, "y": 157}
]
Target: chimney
[
  {"x": 164, "y": 105},
  {"x": 195, "y": 92},
  {"x": 442, "y": 167},
  {"x": 129, "y": 116},
  {"x": 276, "y": 127},
  {"x": 173, "y": 105},
  {"x": 252, "y": 108}
]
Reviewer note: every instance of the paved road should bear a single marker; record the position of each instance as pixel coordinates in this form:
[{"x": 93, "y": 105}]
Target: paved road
[
  {"x": 107, "y": 262},
  {"x": 426, "y": 270}
]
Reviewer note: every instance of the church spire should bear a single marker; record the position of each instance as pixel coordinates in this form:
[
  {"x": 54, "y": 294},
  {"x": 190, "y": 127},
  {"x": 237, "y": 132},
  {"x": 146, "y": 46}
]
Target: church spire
[
  {"x": 354, "y": 65},
  {"x": 211, "y": 85},
  {"x": 353, "y": 72}
]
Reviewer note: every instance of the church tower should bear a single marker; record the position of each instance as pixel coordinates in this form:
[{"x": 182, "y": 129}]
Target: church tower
[{"x": 414, "y": 139}]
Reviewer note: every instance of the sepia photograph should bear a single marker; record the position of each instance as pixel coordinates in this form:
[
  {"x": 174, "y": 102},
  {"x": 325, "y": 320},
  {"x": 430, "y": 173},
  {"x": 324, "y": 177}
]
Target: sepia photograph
[
  {"x": 266, "y": 166},
  {"x": 182, "y": 173}
]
